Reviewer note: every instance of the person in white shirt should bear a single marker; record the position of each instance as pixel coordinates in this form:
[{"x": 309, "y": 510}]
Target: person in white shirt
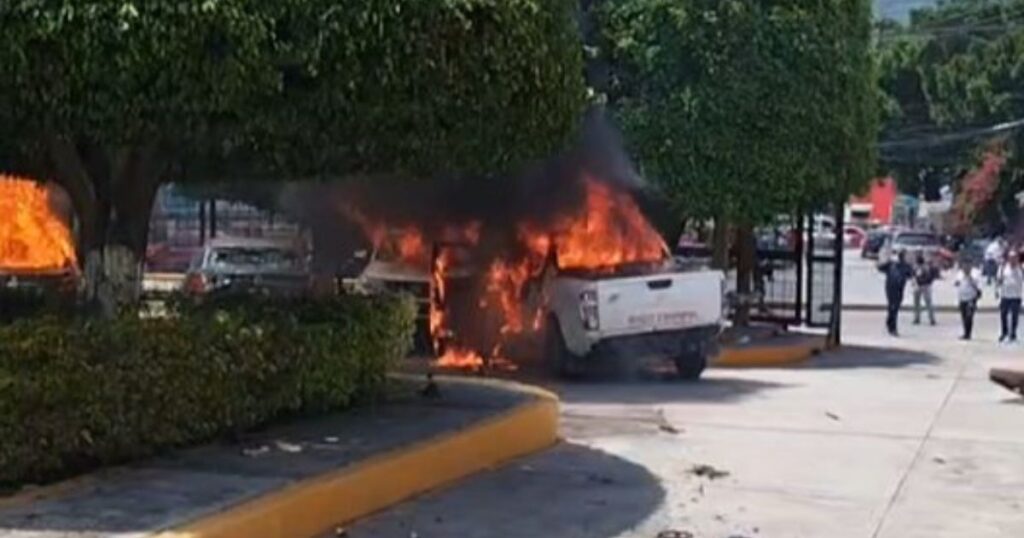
[
  {"x": 993, "y": 259},
  {"x": 1010, "y": 282},
  {"x": 968, "y": 292}
]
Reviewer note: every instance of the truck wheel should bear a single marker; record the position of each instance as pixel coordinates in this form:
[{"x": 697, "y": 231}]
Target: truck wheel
[
  {"x": 691, "y": 365},
  {"x": 560, "y": 360}
]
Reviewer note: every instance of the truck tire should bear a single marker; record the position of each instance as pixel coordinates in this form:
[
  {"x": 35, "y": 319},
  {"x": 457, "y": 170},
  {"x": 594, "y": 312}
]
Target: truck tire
[
  {"x": 690, "y": 366},
  {"x": 561, "y": 362}
]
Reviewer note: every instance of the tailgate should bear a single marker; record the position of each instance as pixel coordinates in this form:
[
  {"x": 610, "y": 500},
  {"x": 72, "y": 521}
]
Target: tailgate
[{"x": 664, "y": 302}]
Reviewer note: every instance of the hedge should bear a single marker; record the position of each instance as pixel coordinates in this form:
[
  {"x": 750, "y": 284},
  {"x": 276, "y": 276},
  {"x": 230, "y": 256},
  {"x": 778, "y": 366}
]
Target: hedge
[{"x": 77, "y": 394}]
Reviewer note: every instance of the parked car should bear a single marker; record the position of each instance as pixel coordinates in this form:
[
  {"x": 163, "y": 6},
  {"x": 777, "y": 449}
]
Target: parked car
[
  {"x": 873, "y": 242},
  {"x": 247, "y": 265},
  {"x": 917, "y": 243},
  {"x": 853, "y": 236}
]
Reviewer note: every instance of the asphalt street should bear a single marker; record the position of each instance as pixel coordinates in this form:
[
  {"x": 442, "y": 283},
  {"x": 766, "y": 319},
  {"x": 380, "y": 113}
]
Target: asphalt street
[{"x": 888, "y": 438}]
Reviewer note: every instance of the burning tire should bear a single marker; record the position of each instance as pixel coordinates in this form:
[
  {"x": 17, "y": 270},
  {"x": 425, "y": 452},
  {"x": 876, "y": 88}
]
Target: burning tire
[{"x": 560, "y": 360}]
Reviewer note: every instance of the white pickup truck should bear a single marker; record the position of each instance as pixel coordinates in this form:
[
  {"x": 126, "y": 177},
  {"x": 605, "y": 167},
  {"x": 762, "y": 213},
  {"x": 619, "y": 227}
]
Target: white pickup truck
[
  {"x": 632, "y": 314},
  {"x": 667, "y": 310}
]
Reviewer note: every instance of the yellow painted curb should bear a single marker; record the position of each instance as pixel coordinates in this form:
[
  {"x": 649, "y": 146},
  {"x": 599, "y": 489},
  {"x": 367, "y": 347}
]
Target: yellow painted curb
[
  {"x": 318, "y": 504},
  {"x": 767, "y": 355}
]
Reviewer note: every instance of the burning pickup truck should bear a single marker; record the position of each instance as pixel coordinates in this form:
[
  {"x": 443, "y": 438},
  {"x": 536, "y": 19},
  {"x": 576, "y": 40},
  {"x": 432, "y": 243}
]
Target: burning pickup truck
[
  {"x": 595, "y": 279},
  {"x": 634, "y": 312}
]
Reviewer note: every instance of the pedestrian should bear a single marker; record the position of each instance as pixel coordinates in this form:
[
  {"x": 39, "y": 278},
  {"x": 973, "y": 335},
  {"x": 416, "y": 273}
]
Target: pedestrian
[
  {"x": 993, "y": 259},
  {"x": 1010, "y": 282},
  {"x": 925, "y": 273},
  {"x": 968, "y": 293},
  {"x": 897, "y": 273}
]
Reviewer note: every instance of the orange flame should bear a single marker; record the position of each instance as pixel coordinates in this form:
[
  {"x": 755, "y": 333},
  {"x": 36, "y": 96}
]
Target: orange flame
[
  {"x": 606, "y": 232},
  {"x": 32, "y": 237},
  {"x": 609, "y": 231}
]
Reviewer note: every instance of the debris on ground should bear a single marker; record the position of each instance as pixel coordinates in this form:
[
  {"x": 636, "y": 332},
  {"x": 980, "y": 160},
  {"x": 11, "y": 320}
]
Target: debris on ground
[
  {"x": 290, "y": 448},
  {"x": 940, "y": 461},
  {"x": 707, "y": 471},
  {"x": 431, "y": 390},
  {"x": 664, "y": 425},
  {"x": 672, "y": 533},
  {"x": 831, "y": 415},
  {"x": 254, "y": 452},
  {"x": 332, "y": 439},
  {"x": 668, "y": 428}
]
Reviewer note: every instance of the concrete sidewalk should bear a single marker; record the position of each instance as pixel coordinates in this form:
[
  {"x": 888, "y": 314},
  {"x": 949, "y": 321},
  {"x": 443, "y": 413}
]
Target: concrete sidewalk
[
  {"x": 174, "y": 492},
  {"x": 886, "y": 438}
]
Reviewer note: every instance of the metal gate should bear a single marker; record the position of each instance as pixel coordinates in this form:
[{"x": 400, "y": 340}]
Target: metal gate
[{"x": 797, "y": 278}]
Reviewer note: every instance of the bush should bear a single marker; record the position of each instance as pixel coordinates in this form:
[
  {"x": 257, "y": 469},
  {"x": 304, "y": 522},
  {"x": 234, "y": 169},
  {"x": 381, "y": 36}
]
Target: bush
[{"x": 78, "y": 394}]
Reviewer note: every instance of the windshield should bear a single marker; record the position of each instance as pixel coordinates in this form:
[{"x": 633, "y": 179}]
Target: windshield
[
  {"x": 264, "y": 258},
  {"x": 917, "y": 240}
]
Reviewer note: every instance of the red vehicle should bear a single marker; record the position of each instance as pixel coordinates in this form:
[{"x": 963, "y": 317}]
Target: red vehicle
[{"x": 853, "y": 236}]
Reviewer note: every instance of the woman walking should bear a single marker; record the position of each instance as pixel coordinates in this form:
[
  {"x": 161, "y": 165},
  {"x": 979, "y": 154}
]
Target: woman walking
[
  {"x": 1010, "y": 281},
  {"x": 968, "y": 293}
]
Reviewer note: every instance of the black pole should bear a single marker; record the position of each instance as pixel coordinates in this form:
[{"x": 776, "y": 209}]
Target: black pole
[
  {"x": 837, "y": 279},
  {"x": 798, "y": 257},
  {"x": 809, "y": 260},
  {"x": 213, "y": 219},
  {"x": 202, "y": 223}
]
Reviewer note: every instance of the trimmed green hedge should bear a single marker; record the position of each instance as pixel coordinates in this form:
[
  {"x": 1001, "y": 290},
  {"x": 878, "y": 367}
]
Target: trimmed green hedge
[{"x": 79, "y": 394}]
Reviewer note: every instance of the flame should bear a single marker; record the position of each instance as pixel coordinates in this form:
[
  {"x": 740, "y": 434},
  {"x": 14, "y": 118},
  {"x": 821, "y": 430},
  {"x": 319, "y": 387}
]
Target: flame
[
  {"x": 32, "y": 237},
  {"x": 607, "y": 231},
  {"x": 610, "y": 232},
  {"x": 450, "y": 355}
]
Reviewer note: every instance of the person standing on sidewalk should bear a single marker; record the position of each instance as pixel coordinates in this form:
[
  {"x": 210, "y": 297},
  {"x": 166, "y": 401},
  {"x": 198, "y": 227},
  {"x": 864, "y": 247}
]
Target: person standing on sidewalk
[
  {"x": 1010, "y": 281},
  {"x": 968, "y": 292},
  {"x": 925, "y": 273},
  {"x": 897, "y": 273},
  {"x": 993, "y": 259}
]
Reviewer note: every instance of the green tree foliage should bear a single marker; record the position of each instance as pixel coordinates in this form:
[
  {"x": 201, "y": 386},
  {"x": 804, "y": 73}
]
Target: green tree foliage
[
  {"x": 949, "y": 75},
  {"x": 110, "y": 98},
  {"x": 743, "y": 109}
]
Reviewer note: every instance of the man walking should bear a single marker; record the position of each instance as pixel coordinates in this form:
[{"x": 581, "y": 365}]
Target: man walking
[
  {"x": 897, "y": 273},
  {"x": 925, "y": 273},
  {"x": 1010, "y": 281},
  {"x": 968, "y": 292}
]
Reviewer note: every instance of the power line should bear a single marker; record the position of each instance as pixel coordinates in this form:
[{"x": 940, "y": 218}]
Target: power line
[{"x": 936, "y": 140}]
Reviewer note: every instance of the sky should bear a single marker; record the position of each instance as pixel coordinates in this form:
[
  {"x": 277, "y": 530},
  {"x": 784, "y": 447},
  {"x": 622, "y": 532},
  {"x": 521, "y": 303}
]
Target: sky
[{"x": 898, "y": 9}]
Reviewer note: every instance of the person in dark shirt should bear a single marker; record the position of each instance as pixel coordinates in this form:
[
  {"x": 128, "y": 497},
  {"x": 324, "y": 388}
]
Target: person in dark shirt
[{"x": 897, "y": 272}]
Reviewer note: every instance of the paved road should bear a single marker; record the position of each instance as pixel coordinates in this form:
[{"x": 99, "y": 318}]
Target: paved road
[{"x": 868, "y": 442}]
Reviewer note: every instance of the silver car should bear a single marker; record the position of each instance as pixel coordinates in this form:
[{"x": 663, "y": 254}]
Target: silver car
[{"x": 248, "y": 265}]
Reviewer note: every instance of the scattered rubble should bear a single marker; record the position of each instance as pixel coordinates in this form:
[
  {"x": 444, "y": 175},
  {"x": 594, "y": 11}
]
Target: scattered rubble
[
  {"x": 707, "y": 471},
  {"x": 831, "y": 415},
  {"x": 672, "y": 533},
  {"x": 254, "y": 452},
  {"x": 290, "y": 448}
]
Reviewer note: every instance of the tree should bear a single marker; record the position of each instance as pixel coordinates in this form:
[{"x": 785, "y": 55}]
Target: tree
[
  {"x": 951, "y": 75},
  {"x": 109, "y": 99},
  {"x": 742, "y": 110}
]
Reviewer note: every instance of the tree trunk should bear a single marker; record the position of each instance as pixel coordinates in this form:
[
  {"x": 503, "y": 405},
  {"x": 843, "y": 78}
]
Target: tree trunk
[
  {"x": 113, "y": 198},
  {"x": 745, "y": 259},
  {"x": 720, "y": 245}
]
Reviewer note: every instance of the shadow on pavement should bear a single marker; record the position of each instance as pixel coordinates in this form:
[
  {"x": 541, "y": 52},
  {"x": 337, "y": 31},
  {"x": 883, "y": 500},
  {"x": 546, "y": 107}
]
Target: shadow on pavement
[
  {"x": 709, "y": 389},
  {"x": 871, "y": 357},
  {"x": 570, "y": 491}
]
